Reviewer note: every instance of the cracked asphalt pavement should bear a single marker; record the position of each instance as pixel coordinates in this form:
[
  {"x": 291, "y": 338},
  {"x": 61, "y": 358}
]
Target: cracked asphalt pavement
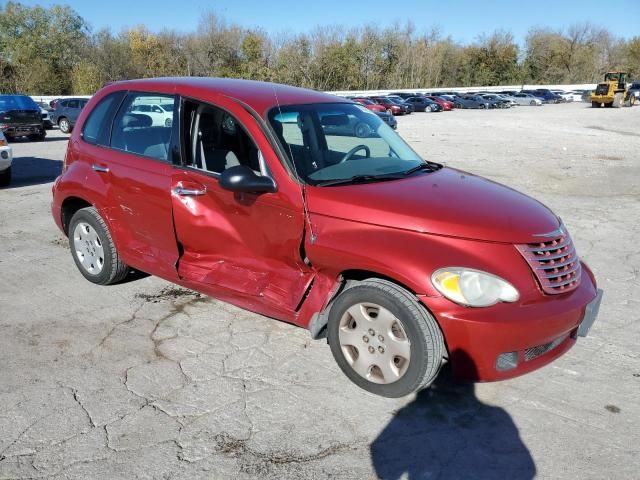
[{"x": 148, "y": 380}]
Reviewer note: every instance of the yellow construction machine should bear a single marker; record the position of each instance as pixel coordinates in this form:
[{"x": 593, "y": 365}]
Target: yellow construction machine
[{"x": 613, "y": 92}]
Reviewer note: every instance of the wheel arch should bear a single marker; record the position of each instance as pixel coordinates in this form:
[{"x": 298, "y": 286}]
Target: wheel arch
[
  {"x": 347, "y": 278},
  {"x": 69, "y": 207}
]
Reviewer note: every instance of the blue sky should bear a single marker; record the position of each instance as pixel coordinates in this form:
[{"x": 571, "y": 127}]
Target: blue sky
[{"x": 464, "y": 21}]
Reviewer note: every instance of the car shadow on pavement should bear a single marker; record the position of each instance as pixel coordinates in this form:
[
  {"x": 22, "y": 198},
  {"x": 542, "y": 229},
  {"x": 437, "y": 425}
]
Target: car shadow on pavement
[
  {"x": 33, "y": 171},
  {"x": 447, "y": 433}
]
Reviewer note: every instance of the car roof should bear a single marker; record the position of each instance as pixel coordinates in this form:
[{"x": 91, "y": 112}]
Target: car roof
[{"x": 260, "y": 96}]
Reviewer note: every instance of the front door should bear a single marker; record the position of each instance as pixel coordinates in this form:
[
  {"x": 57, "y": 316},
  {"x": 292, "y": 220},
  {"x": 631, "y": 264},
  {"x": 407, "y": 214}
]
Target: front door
[{"x": 238, "y": 246}]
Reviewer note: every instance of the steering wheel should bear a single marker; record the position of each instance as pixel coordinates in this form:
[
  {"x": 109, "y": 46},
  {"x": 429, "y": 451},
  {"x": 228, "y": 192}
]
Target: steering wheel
[{"x": 350, "y": 153}]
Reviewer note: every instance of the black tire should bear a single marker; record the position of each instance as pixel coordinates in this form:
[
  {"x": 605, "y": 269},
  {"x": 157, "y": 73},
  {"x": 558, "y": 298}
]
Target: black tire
[
  {"x": 5, "y": 177},
  {"x": 595, "y": 104},
  {"x": 38, "y": 137},
  {"x": 113, "y": 269},
  {"x": 168, "y": 122},
  {"x": 422, "y": 331},
  {"x": 64, "y": 125}
]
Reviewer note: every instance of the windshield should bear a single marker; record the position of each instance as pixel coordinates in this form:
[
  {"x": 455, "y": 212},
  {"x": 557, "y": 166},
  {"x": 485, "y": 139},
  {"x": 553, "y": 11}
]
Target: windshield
[
  {"x": 17, "y": 102},
  {"x": 328, "y": 143}
]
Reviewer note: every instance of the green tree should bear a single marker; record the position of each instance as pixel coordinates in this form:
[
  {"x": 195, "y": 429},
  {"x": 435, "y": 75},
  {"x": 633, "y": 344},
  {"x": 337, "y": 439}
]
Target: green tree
[{"x": 40, "y": 46}]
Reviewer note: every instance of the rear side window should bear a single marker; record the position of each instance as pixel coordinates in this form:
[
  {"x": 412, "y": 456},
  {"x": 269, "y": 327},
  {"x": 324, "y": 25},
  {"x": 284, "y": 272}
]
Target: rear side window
[
  {"x": 137, "y": 130},
  {"x": 72, "y": 104},
  {"x": 98, "y": 126}
]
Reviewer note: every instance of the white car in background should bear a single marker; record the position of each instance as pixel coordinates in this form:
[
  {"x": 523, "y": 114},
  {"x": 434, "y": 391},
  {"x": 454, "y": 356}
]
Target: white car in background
[
  {"x": 6, "y": 158},
  {"x": 161, "y": 114},
  {"x": 526, "y": 99},
  {"x": 568, "y": 96}
]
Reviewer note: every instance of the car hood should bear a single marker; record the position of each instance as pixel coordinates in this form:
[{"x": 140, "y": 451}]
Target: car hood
[
  {"x": 446, "y": 202},
  {"x": 19, "y": 116}
]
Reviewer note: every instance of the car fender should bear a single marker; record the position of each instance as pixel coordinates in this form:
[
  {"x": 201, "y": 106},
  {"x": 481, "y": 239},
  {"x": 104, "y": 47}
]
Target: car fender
[
  {"x": 81, "y": 182},
  {"x": 338, "y": 247}
]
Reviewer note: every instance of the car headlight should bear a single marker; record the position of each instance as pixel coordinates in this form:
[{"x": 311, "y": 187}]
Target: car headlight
[{"x": 473, "y": 288}]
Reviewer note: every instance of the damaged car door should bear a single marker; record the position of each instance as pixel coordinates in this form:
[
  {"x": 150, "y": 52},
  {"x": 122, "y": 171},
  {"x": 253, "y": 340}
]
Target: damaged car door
[{"x": 238, "y": 244}]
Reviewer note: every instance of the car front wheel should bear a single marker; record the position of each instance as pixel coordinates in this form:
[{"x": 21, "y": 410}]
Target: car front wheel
[
  {"x": 383, "y": 339},
  {"x": 93, "y": 250}
]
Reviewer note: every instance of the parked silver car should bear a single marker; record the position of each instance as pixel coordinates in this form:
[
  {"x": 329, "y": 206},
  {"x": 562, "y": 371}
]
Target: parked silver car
[{"x": 526, "y": 99}]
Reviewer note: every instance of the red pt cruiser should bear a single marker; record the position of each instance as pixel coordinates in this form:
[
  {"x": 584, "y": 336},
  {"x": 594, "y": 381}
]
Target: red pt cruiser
[{"x": 308, "y": 208}]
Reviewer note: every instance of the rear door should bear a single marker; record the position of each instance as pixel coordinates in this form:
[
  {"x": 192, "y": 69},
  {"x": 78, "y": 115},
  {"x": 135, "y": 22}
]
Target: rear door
[
  {"x": 132, "y": 159},
  {"x": 236, "y": 245}
]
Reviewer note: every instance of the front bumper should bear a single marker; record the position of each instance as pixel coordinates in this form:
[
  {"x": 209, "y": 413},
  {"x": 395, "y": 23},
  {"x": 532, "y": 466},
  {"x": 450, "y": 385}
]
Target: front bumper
[
  {"x": 23, "y": 130},
  {"x": 535, "y": 333}
]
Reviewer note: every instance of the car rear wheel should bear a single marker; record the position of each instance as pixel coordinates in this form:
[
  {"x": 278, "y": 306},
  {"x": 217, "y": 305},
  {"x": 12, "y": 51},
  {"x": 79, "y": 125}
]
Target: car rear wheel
[
  {"x": 93, "y": 250},
  {"x": 383, "y": 339},
  {"x": 5, "y": 177},
  {"x": 428, "y": 108},
  {"x": 65, "y": 125}
]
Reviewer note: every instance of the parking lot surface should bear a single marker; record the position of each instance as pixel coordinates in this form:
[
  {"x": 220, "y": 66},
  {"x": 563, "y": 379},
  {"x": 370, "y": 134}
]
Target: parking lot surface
[{"x": 148, "y": 380}]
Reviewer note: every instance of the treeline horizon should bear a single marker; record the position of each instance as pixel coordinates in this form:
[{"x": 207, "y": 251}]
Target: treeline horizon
[{"x": 53, "y": 51}]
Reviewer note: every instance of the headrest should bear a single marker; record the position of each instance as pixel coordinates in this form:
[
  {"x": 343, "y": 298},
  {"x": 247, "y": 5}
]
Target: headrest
[{"x": 136, "y": 120}]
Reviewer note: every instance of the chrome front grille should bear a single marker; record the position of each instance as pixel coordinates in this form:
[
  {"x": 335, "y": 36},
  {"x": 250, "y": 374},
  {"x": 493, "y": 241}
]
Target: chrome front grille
[{"x": 554, "y": 263}]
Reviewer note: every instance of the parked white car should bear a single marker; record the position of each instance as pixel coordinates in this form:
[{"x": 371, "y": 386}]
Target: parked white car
[
  {"x": 6, "y": 158},
  {"x": 161, "y": 114},
  {"x": 572, "y": 96},
  {"x": 526, "y": 99}
]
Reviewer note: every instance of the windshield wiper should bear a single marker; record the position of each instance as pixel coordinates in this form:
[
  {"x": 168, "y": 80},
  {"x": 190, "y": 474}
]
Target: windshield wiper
[
  {"x": 360, "y": 179},
  {"x": 431, "y": 167}
]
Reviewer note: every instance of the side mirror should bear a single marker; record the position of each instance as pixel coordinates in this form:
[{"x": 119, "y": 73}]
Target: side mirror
[{"x": 242, "y": 179}]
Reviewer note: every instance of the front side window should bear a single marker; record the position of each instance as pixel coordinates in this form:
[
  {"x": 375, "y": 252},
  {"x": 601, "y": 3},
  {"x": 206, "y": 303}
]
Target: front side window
[
  {"x": 329, "y": 143},
  {"x": 214, "y": 140},
  {"x": 142, "y": 133},
  {"x": 72, "y": 104}
]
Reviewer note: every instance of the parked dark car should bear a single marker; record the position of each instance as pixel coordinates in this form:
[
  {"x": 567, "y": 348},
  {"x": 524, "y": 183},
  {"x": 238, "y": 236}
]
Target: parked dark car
[
  {"x": 470, "y": 101},
  {"x": 634, "y": 90},
  {"x": 20, "y": 116},
  {"x": 388, "y": 119},
  {"x": 546, "y": 96},
  {"x": 496, "y": 101},
  {"x": 423, "y": 104},
  {"x": 406, "y": 95},
  {"x": 67, "y": 112}
]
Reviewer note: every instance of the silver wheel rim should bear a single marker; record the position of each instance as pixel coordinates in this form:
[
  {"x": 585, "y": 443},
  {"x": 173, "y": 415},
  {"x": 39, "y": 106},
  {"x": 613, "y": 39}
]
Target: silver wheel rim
[
  {"x": 374, "y": 343},
  {"x": 88, "y": 248},
  {"x": 64, "y": 125}
]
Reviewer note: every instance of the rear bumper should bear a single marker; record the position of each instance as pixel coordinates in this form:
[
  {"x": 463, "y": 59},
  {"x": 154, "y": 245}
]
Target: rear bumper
[{"x": 535, "y": 333}]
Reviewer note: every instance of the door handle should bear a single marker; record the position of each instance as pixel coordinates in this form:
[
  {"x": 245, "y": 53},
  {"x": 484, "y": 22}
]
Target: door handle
[
  {"x": 99, "y": 168},
  {"x": 190, "y": 192}
]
